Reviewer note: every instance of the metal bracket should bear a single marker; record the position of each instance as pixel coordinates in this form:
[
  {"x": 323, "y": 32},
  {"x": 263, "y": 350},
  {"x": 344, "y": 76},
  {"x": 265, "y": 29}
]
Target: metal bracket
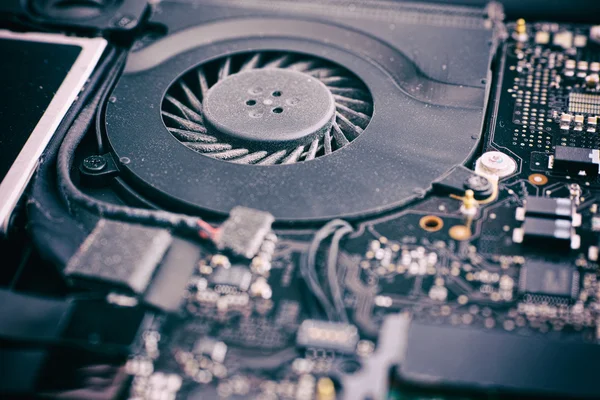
[{"x": 98, "y": 170}]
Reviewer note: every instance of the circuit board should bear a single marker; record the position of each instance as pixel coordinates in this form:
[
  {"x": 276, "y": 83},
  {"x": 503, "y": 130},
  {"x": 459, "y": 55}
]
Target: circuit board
[{"x": 519, "y": 264}]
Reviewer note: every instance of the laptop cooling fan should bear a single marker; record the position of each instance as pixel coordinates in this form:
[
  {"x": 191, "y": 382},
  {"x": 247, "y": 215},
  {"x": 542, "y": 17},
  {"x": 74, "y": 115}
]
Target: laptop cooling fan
[
  {"x": 282, "y": 114},
  {"x": 266, "y": 109}
]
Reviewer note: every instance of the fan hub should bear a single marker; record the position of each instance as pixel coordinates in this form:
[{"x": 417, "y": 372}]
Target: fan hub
[{"x": 272, "y": 107}]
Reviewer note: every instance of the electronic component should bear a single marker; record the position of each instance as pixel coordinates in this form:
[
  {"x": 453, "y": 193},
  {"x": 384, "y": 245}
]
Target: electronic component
[
  {"x": 547, "y": 232},
  {"x": 592, "y": 81},
  {"x": 212, "y": 348},
  {"x": 244, "y": 231},
  {"x": 578, "y": 121},
  {"x": 542, "y": 37},
  {"x": 592, "y": 123},
  {"x": 546, "y": 207},
  {"x": 584, "y": 103},
  {"x": 119, "y": 254},
  {"x": 497, "y": 361},
  {"x": 580, "y": 41},
  {"x": 520, "y": 33},
  {"x": 595, "y": 33},
  {"x": 548, "y": 279},
  {"x": 236, "y": 276},
  {"x": 563, "y": 39},
  {"x": 576, "y": 160},
  {"x": 565, "y": 121},
  {"x": 327, "y": 335}
]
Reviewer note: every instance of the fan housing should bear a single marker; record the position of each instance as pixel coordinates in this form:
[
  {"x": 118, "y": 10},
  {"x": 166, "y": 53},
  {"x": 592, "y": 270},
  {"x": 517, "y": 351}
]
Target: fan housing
[{"x": 419, "y": 126}]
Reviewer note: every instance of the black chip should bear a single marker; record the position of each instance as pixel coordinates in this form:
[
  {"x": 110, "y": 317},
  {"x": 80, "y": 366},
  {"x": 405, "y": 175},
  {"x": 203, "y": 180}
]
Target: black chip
[
  {"x": 557, "y": 230},
  {"x": 549, "y": 207},
  {"x": 541, "y": 278},
  {"x": 239, "y": 277},
  {"x": 488, "y": 360},
  {"x": 577, "y": 160}
]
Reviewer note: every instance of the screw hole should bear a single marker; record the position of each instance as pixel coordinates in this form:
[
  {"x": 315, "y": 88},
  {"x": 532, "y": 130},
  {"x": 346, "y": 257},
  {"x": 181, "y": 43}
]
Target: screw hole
[
  {"x": 251, "y": 102},
  {"x": 277, "y": 110},
  {"x": 276, "y": 93},
  {"x": 431, "y": 223}
]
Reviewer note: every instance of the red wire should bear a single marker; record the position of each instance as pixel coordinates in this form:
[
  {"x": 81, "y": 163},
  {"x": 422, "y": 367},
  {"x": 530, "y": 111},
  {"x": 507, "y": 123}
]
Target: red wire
[{"x": 207, "y": 230}]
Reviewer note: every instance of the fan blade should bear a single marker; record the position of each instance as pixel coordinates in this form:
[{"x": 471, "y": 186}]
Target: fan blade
[
  {"x": 251, "y": 158},
  {"x": 357, "y": 118},
  {"x": 348, "y": 127},
  {"x": 229, "y": 154},
  {"x": 187, "y": 112},
  {"x": 339, "y": 136},
  {"x": 208, "y": 148},
  {"x": 224, "y": 70},
  {"x": 350, "y": 92},
  {"x": 185, "y": 123},
  {"x": 252, "y": 62},
  {"x": 189, "y": 136},
  {"x": 302, "y": 66},
  {"x": 203, "y": 82},
  {"x": 339, "y": 81},
  {"x": 327, "y": 141},
  {"x": 312, "y": 150},
  {"x": 278, "y": 62},
  {"x": 293, "y": 156},
  {"x": 323, "y": 72},
  {"x": 355, "y": 104},
  {"x": 273, "y": 158},
  {"x": 191, "y": 97}
]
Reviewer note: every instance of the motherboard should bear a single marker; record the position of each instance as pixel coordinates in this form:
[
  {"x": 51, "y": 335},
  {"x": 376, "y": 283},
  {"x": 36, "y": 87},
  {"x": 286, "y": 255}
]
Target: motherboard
[
  {"x": 503, "y": 261},
  {"x": 303, "y": 199}
]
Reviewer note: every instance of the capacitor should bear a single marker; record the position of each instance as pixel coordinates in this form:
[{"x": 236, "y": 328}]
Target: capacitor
[{"x": 592, "y": 81}]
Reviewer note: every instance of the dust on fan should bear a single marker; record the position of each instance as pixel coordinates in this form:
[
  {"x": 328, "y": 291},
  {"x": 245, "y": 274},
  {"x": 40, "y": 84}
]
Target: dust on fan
[{"x": 234, "y": 109}]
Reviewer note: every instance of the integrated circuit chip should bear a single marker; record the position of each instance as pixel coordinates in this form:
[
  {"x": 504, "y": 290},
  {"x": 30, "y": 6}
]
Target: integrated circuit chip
[
  {"x": 327, "y": 335},
  {"x": 547, "y": 279},
  {"x": 238, "y": 277},
  {"x": 577, "y": 160},
  {"x": 477, "y": 359}
]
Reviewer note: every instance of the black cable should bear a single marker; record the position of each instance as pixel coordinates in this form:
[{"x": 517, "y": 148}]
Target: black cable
[
  {"x": 332, "y": 272},
  {"x": 71, "y": 194},
  {"x": 53, "y": 231},
  {"x": 308, "y": 266}
]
